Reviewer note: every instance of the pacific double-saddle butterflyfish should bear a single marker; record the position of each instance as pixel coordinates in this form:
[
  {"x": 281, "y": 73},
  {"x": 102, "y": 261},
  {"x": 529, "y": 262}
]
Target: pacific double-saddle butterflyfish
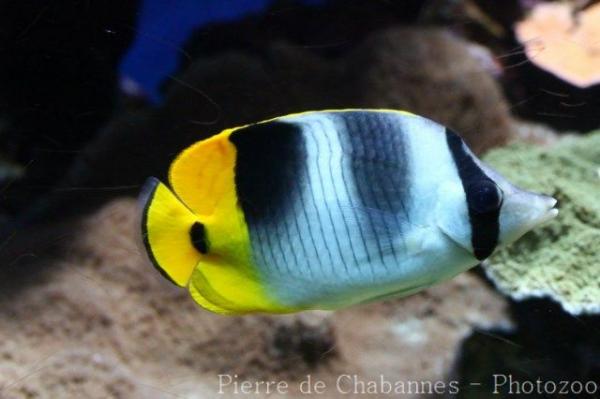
[{"x": 327, "y": 209}]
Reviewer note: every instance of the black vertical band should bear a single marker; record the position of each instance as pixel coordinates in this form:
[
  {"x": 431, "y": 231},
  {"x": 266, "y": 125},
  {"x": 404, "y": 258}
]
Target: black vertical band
[
  {"x": 485, "y": 227},
  {"x": 269, "y": 162}
]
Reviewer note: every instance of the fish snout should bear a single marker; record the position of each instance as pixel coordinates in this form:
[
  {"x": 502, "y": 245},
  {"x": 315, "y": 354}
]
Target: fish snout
[
  {"x": 522, "y": 211},
  {"x": 542, "y": 209}
]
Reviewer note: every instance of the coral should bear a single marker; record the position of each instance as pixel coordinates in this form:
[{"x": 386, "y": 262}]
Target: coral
[
  {"x": 563, "y": 42},
  {"x": 551, "y": 48},
  {"x": 562, "y": 258}
]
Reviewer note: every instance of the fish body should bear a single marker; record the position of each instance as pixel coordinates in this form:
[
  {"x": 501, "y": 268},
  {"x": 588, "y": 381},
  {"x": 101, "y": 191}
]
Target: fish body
[{"x": 326, "y": 209}]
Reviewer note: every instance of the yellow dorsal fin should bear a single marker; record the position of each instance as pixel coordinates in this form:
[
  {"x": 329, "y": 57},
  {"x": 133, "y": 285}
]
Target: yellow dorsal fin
[{"x": 203, "y": 174}]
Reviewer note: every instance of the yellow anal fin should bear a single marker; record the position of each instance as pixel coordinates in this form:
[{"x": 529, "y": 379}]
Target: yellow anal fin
[
  {"x": 206, "y": 304},
  {"x": 166, "y": 224},
  {"x": 231, "y": 289}
]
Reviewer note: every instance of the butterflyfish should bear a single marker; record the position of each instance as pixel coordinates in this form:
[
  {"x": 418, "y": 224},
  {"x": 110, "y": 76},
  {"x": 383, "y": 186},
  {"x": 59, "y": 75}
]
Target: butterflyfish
[{"x": 327, "y": 209}]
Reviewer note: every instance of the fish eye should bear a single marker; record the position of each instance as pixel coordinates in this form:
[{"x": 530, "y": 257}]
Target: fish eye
[{"x": 484, "y": 196}]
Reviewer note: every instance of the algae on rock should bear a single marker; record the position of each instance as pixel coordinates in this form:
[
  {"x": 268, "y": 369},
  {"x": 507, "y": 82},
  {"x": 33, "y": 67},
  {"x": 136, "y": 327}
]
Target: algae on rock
[{"x": 562, "y": 258}]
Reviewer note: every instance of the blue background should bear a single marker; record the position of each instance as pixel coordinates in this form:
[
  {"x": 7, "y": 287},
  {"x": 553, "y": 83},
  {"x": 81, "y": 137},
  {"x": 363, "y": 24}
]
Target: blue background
[{"x": 164, "y": 25}]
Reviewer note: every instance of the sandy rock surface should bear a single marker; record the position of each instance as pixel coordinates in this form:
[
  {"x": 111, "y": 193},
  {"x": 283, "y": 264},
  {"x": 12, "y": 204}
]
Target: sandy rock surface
[{"x": 100, "y": 322}]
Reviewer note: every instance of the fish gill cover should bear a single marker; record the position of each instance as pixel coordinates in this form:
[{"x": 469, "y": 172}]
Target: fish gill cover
[{"x": 561, "y": 259}]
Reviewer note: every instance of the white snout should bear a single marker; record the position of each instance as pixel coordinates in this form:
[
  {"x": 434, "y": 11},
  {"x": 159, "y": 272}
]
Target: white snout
[{"x": 522, "y": 211}]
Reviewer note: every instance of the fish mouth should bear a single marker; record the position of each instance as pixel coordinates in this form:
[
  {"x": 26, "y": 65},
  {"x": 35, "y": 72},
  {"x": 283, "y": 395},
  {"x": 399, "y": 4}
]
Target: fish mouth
[
  {"x": 523, "y": 212},
  {"x": 549, "y": 211},
  {"x": 545, "y": 210}
]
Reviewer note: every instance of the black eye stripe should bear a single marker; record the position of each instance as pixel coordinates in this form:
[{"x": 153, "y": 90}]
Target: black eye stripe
[
  {"x": 198, "y": 237},
  {"x": 485, "y": 227}
]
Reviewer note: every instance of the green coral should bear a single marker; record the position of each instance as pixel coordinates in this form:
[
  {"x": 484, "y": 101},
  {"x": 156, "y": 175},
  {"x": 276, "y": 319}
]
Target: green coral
[{"x": 560, "y": 259}]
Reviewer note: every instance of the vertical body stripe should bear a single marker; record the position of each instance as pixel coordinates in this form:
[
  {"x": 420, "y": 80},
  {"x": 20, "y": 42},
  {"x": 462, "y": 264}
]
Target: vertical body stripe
[{"x": 485, "y": 227}]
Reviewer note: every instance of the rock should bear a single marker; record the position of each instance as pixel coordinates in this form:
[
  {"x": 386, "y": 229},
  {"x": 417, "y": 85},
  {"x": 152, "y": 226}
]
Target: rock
[
  {"x": 561, "y": 259},
  {"x": 436, "y": 74},
  {"x": 99, "y": 321},
  {"x": 72, "y": 373},
  {"x": 545, "y": 340},
  {"x": 308, "y": 336}
]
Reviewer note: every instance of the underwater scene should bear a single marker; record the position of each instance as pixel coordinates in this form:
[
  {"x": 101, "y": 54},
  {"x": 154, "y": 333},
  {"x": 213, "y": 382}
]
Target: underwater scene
[{"x": 207, "y": 199}]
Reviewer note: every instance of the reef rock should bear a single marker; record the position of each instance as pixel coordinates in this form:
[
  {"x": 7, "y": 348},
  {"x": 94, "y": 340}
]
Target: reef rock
[{"x": 560, "y": 260}]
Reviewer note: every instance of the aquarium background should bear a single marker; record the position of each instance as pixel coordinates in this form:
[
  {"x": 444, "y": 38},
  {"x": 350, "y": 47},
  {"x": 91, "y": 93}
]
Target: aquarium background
[
  {"x": 163, "y": 27},
  {"x": 95, "y": 97}
]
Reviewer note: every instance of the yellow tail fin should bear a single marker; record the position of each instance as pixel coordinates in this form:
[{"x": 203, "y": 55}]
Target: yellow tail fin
[
  {"x": 166, "y": 229},
  {"x": 168, "y": 233}
]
